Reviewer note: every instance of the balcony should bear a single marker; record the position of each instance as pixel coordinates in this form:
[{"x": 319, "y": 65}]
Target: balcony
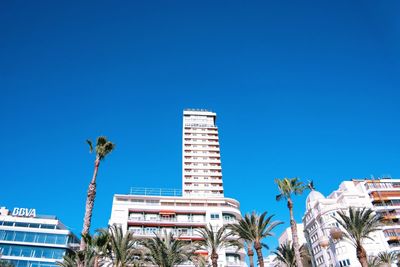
[{"x": 167, "y": 220}]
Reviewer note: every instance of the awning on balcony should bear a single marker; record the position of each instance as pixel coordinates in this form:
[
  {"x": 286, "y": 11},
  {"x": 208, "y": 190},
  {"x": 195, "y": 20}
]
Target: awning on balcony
[{"x": 167, "y": 212}]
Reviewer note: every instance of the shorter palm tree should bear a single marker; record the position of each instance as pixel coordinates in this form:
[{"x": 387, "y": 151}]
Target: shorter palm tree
[
  {"x": 80, "y": 258},
  {"x": 244, "y": 229},
  {"x": 4, "y": 263},
  {"x": 214, "y": 240},
  {"x": 373, "y": 261},
  {"x": 359, "y": 224},
  {"x": 285, "y": 254},
  {"x": 253, "y": 229},
  {"x": 387, "y": 258},
  {"x": 121, "y": 248},
  {"x": 167, "y": 250}
]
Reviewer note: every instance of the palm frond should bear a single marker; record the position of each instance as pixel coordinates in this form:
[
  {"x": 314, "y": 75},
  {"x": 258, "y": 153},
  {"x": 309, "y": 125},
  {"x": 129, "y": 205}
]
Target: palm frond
[{"x": 90, "y": 145}]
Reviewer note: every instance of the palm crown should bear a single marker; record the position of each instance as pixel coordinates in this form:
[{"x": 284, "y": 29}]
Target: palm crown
[
  {"x": 359, "y": 224},
  {"x": 167, "y": 251},
  {"x": 289, "y": 186},
  {"x": 103, "y": 147}
]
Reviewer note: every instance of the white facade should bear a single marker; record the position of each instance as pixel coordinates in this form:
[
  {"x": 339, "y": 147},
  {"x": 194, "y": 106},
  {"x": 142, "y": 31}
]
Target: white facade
[
  {"x": 146, "y": 216},
  {"x": 384, "y": 194},
  {"x": 286, "y": 237},
  {"x": 28, "y": 240},
  {"x": 147, "y": 212},
  {"x": 319, "y": 221},
  {"x": 270, "y": 261},
  {"x": 201, "y": 168}
]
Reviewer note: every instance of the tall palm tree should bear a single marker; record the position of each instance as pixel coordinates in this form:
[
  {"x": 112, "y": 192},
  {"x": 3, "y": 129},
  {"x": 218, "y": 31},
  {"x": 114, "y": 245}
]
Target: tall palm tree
[
  {"x": 285, "y": 254},
  {"x": 103, "y": 148},
  {"x": 287, "y": 187},
  {"x": 387, "y": 258},
  {"x": 167, "y": 250},
  {"x": 213, "y": 241},
  {"x": 121, "y": 248},
  {"x": 359, "y": 224}
]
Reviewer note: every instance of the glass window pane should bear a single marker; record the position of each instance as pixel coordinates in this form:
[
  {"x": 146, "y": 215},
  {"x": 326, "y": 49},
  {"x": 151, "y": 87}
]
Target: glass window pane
[
  {"x": 19, "y": 236},
  {"x": 51, "y": 239},
  {"x": 10, "y": 235},
  {"x": 26, "y": 252},
  {"x": 30, "y": 237}
]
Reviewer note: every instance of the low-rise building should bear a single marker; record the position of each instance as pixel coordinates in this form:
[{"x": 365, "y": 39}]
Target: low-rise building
[{"x": 30, "y": 240}]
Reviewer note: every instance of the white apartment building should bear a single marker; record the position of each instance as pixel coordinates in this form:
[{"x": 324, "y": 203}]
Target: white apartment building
[
  {"x": 270, "y": 261},
  {"x": 320, "y": 226},
  {"x": 147, "y": 212},
  {"x": 30, "y": 240},
  {"x": 201, "y": 168},
  {"x": 384, "y": 194},
  {"x": 286, "y": 237}
]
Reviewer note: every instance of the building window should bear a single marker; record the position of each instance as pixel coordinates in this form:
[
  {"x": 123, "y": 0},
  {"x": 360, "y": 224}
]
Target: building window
[{"x": 214, "y": 216}]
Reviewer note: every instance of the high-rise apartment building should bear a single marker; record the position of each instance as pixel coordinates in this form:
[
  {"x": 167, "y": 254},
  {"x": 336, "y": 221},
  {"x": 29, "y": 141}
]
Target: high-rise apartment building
[
  {"x": 201, "y": 168},
  {"x": 147, "y": 212},
  {"x": 30, "y": 240}
]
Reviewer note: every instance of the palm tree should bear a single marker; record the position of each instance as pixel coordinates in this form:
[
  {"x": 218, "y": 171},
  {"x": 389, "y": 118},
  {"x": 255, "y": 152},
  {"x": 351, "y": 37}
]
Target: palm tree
[
  {"x": 167, "y": 251},
  {"x": 103, "y": 147},
  {"x": 253, "y": 229},
  {"x": 287, "y": 187},
  {"x": 285, "y": 254},
  {"x": 373, "y": 261},
  {"x": 80, "y": 258},
  {"x": 387, "y": 258},
  {"x": 100, "y": 246},
  {"x": 213, "y": 241},
  {"x": 244, "y": 229},
  {"x": 121, "y": 248},
  {"x": 4, "y": 263},
  {"x": 358, "y": 225}
]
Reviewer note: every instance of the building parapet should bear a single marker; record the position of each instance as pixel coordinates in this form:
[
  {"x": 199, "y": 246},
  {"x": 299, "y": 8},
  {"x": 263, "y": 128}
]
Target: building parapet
[{"x": 166, "y": 192}]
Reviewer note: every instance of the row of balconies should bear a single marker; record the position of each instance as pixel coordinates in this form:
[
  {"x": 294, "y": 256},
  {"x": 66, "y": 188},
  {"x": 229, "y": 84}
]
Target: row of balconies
[
  {"x": 203, "y": 180},
  {"x": 195, "y": 153},
  {"x": 214, "y": 159},
  {"x": 197, "y": 187},
  {"x": 200, "y": 141},
  {"x": 201, "y": 148},
  {"x": 209, "y": 174},
  {"x": 200, "y": 130},
  {"x": 165, "y": 220},
  {"x": 209, "y": 167}
]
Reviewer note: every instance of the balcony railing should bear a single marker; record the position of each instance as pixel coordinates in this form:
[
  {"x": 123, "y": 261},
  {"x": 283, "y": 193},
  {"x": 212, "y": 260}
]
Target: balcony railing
[
  {"x": 155, "y": 191},
  {"x": 173, "y": 220}
]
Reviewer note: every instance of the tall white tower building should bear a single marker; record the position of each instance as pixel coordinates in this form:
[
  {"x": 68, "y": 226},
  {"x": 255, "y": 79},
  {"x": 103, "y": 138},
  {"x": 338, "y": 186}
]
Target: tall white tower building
[
  {"x": 201, "y": 163},
  {"x": 147, "y": 212}
]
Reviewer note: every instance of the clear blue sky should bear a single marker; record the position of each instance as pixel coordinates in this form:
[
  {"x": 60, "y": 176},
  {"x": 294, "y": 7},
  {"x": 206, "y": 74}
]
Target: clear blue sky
[{"x": 301, "y": 88}]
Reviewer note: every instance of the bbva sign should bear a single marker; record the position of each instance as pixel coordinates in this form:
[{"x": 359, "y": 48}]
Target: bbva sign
[{"x": 24, "y": 212}]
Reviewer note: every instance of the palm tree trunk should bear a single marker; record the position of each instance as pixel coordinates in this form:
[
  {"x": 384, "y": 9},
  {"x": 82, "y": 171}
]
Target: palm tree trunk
[
  {"x": 91, "y": 194},
  {"x": 257, "y": 247},
  {"x": 250, "y": 253},
  {"x": 362, "y": 255},
  {"x": 214, "y": 259},
  {"x": 295, "y": 238}
]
